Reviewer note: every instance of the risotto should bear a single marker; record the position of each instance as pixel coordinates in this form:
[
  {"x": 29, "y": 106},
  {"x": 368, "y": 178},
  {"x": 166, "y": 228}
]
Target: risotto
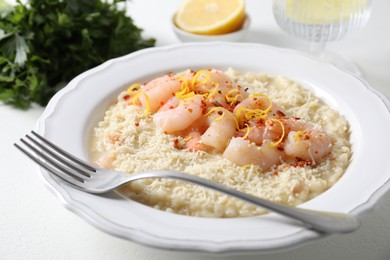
[{"x": 134, "y": 137}]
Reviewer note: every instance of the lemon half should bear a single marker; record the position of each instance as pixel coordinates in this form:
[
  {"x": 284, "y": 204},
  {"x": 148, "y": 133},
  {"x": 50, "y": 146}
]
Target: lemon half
[{"x": 210, "y": 17}]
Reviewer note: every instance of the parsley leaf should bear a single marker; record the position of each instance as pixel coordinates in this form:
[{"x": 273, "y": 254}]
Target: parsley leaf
[{"x": 46, "y": 43}]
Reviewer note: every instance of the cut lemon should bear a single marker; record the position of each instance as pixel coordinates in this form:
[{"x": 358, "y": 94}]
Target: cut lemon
[{"x": 210, "y": 17}]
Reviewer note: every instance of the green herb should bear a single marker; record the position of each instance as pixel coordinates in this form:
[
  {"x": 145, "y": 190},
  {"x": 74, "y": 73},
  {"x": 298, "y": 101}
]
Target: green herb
[{"x": 46, "y": 43}]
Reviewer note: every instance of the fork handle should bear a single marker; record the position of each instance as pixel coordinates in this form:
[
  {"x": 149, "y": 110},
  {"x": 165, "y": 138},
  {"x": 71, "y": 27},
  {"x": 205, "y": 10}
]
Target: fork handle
[{"x": 327, "y": 222}]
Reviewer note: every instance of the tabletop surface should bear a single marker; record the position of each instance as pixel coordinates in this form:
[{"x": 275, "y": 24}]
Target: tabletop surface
[{"x": 35, "y": 225}]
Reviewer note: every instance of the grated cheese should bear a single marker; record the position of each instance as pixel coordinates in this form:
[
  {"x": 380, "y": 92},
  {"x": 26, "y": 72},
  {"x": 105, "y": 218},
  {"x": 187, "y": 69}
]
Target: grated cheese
[{"x": 119, "y": 143}]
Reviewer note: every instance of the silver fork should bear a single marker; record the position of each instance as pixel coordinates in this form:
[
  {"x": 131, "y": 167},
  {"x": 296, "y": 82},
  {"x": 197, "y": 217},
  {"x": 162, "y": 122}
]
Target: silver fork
[{"x": 92, "y": 179}]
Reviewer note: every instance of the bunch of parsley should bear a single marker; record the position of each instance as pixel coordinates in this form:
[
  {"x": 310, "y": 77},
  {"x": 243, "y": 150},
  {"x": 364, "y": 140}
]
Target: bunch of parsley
[{"x": 45, "y": 43}]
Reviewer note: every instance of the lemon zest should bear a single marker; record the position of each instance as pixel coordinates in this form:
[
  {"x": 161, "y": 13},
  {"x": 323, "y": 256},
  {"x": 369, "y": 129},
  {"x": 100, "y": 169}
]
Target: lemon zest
[
  {"x": 256, "y": 113},
  {"x": 184, "y": 82},
  {"x": 214, "y": 109},
  {"x": 221, "y": 116},
  {"x": 135, "y": 98},
  {"x": 147, "y": 109},
  {"x": 283, "y": 133},
  {"x": 234, "y": 99},
  {"x": 184, "y": 94},
  {"x": 237, "y": 125},
  {"x": 181, "y": 93},
  {"x": 299, "y": 135},
  {"x": 147, "y": 100},
  {"x": 187, "y": 138},
  {"x": 248, "y": 114},
  {"x": 131, "y": 89},
  {"x": 211, "y": 93},
  {"x": 248, "y": 129},
  {"x": 267, "y": 97},
  {"x": 184, "y": 87},
  {"x": 239, "y": 111},
  {"x": 188, "y": 95},
  {"x": 199, "y": 73}
]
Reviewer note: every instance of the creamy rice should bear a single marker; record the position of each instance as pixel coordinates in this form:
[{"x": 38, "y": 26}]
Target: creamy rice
[{"x": 128, "y": 141}]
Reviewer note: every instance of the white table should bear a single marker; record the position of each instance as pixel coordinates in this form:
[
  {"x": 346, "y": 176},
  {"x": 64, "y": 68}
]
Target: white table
[{"x": 35, "y": 225}]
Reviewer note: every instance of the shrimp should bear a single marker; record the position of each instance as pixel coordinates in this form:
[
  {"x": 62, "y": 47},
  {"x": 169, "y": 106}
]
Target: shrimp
[
  {"x": 192, "y": 134},
  {"x": 245, "y": 129},
  {"x": 216, "y": 99},
  {"x": 301, "y": 140},
  {"x": 270, "y": 130},
  {"x": 255, "y": 109},
  {"x": 206, "y": 80},
  {"x": 220, "y": 89},
  {"x": 222, "y": 128},
  {"x": 180, "y": 117},
  {"x": 155, "y": 93},
  {"x": 251, "y": 133},
  {"x": 169, "y": 104},
  {"x": 279, "y": 128},
  {"x": 309, "y": 145},
  {"x": 193, "y": 142},
  {"x": 242, "y": 152}
]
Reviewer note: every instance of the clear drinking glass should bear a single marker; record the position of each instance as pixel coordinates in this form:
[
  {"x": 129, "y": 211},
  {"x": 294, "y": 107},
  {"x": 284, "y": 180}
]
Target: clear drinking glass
[{"x": 321, "y": 21}]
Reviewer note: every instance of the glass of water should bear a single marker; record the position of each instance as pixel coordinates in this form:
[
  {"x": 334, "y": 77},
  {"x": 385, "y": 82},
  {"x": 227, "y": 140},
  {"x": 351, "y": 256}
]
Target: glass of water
[{"x": 321, "y": 21}]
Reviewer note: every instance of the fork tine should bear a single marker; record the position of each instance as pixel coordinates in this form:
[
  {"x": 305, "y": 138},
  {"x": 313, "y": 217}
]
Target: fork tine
[
  {"x": 63, "y": 152},
  {"x": 54, "y": 163},
  {"x": 61, "y": 157},
  {"x": 57, "y": 173}
]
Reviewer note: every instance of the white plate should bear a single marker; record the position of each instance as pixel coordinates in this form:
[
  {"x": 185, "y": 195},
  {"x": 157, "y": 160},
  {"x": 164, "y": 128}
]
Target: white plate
[{"x": 71, "y": 114}]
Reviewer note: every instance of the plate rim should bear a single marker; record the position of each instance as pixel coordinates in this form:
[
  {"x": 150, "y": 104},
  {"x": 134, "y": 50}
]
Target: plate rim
[{"x": 302, "y": 236}]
